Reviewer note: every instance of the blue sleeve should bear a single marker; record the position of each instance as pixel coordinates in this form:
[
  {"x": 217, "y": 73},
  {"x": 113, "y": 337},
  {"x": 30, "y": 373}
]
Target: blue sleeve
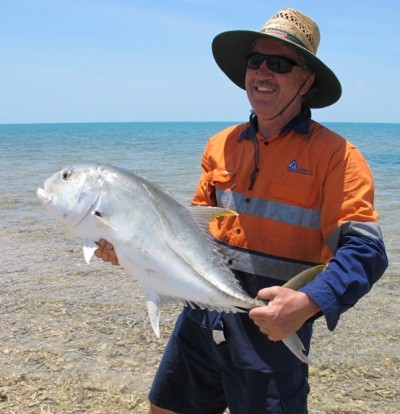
[{"x": 357, "y": 265}]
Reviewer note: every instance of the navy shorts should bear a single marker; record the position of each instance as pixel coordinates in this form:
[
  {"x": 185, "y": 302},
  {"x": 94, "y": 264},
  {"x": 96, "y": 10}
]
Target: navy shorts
[{"x": 197, "y": 376}]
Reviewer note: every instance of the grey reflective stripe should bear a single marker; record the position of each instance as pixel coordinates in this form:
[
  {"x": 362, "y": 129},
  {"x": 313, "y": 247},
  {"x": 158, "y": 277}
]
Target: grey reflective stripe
[
  {"x": 261, "y": 265},
  {"x": 369, "y": 229},
  {"x": 273, "y": 210}
]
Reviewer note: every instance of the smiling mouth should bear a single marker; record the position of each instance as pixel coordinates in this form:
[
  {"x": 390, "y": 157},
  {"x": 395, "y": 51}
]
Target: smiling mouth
[{"x": 265, "y": 89}]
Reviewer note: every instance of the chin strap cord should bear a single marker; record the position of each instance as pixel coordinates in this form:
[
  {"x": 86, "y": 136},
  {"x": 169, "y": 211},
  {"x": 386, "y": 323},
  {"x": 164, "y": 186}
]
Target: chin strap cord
[{"x": 256, "y": 169}]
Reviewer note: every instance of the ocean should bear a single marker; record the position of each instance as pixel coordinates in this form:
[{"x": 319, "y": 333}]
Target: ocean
[
  {"x": 167, "y": 153},
  {"x": 69, "y": 330}
]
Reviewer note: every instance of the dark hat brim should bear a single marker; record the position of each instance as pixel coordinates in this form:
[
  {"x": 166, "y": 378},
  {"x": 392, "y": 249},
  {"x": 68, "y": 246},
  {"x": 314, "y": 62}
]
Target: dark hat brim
[{"x": 230, "y": 50}]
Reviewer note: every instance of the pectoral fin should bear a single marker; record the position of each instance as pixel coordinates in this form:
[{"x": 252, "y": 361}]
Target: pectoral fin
[{"x": 104, "y": 220}]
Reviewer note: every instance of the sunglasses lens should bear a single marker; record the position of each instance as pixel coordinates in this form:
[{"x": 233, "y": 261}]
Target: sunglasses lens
[
  {"x": 254, "y": 60},
  {"x": 277, "y": 64}
]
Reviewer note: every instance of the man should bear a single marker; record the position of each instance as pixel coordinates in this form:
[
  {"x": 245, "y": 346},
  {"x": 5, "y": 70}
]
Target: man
[{"x": 304, "y": 196}]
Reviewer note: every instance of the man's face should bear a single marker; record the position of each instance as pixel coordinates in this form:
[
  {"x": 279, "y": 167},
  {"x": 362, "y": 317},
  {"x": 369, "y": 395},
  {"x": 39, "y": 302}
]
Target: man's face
[{"x": 268, "y": 91}]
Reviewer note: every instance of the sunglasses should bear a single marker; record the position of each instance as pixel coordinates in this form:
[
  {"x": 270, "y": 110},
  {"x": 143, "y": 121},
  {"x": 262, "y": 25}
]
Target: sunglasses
[{"x": 277, "y": 64}]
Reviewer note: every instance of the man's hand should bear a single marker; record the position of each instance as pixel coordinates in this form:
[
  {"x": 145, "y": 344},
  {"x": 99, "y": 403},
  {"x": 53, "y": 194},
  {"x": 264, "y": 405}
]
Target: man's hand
[
  {"x": 106, "y": 252},
  {"x": 286, "y": 312}
]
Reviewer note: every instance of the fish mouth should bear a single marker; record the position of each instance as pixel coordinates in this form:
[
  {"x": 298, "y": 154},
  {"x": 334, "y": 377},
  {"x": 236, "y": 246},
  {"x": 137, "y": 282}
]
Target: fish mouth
[{"x": 44, "y": 196}]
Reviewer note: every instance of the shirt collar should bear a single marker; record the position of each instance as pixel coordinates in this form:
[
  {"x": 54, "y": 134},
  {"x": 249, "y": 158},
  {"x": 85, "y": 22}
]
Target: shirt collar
[{"x": 299, "y": 124}]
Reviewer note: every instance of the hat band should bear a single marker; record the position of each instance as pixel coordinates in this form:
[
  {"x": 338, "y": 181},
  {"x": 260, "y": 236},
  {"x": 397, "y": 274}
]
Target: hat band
[{"x": 284, "y": 35}]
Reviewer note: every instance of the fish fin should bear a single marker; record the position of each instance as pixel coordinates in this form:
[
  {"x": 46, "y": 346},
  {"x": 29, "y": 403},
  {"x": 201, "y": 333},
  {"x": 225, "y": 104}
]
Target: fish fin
[
  {"x": 103, "y": 219},
  {"x": 89, "y": 247},
  {"x": 226, "y": 309},
  {"x": 203, "y": 214},
  {"x": 154, "y": 304},
  {"x": 298, "y": 281},
  {"x": 191, "y": 305},
  {"x": 293, "y": 342}
]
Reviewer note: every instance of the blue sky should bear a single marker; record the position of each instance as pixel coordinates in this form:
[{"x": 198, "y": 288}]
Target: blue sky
[{"x": 146, "y": 60}]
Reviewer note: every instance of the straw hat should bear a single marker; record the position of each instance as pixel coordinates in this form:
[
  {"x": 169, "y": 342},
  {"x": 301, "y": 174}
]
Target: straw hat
[{"x": 230, "y": 50}]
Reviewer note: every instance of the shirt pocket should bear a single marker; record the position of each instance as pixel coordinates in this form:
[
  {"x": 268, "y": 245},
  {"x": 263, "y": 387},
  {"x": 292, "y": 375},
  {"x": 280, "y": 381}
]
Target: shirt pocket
[
  {"x": 296, "y": 193},
  {"x": 224, "y": 183},
  {"x": 221, "y": 178}
]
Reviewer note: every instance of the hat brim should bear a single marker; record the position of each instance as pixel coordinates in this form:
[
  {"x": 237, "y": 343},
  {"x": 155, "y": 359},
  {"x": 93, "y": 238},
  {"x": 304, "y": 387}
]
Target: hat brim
[{"x": 230, "y": 50}]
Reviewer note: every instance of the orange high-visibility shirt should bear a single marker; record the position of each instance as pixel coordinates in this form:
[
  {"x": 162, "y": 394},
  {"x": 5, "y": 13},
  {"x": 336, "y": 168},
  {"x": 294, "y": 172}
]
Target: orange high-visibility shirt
[{"x": 307, "y": 187}]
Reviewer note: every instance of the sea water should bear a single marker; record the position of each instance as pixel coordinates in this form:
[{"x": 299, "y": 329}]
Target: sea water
[{"x": 168, "y": 154}]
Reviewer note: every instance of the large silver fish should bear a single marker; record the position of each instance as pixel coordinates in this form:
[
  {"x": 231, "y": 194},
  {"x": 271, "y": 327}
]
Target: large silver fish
[{"x": 163, "y": 243}]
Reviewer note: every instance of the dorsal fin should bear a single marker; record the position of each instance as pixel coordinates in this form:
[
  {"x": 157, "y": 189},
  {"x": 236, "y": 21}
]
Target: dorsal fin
[{"x": 202, "y": 215}]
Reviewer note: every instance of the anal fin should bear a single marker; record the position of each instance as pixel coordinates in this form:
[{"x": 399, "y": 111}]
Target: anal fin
[{"x": 154, "y": 304}]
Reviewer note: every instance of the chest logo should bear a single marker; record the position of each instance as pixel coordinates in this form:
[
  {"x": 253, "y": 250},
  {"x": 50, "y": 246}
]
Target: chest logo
[{"x": 294, "y": 167}]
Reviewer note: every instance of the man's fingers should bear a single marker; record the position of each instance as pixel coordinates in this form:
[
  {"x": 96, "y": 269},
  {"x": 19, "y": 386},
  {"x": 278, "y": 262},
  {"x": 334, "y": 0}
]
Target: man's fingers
[{"x": 106, "y": 252}]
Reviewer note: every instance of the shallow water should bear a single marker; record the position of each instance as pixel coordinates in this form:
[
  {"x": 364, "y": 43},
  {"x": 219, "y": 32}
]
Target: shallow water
[{"x": 166, "y": 153}]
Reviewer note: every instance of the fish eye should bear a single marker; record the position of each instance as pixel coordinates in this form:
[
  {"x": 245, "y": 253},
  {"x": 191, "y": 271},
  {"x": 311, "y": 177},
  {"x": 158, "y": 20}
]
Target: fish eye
[{"x": 65, "y": 175}]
